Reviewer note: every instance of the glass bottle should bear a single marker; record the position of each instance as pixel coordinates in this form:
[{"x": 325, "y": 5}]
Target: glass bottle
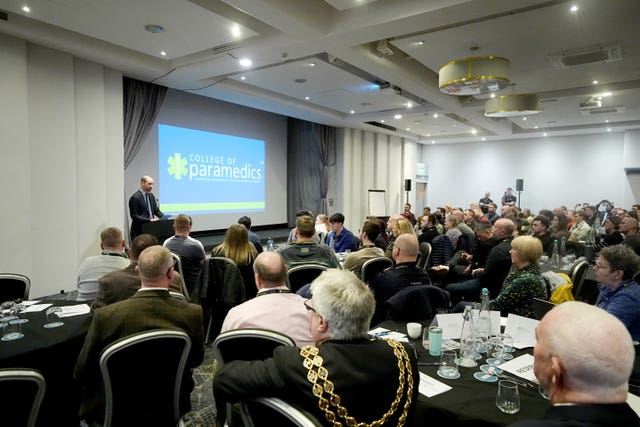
[
  {"x": 468, "y": 340},
  {"x": 555, "y": 257},
  {"x": 270, "y": 245},
  {"x": 484, "y": 320}
]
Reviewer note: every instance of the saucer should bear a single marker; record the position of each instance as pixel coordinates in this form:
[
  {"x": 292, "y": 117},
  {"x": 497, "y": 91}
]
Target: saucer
[
  {"x": 449, "y": 377},
  {"x": 484, "y": 377}
]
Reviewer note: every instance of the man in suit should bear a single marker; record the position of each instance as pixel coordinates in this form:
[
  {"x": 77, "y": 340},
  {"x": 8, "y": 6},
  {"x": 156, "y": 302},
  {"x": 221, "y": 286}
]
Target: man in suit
[
  {"x": 118, "y": 285},
  {"x": 352, "y": 375},
  {"x": 143, "y": 206},
  {"x": 152, "y": 307},
  {"x": 583, "y": 359}
]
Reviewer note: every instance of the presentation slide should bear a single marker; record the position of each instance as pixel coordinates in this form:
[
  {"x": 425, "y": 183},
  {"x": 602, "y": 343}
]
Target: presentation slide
[{"x": 209, "y": 173}]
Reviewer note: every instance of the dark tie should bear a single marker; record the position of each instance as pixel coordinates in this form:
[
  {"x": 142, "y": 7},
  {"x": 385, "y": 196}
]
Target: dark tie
[{"x": 146, "y": 196}]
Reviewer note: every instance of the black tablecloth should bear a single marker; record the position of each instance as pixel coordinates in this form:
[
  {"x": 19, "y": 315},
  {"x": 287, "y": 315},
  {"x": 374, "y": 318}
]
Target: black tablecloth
[
  {"x": 470, "y": 402},
  {"x": 53, "y": 352}
]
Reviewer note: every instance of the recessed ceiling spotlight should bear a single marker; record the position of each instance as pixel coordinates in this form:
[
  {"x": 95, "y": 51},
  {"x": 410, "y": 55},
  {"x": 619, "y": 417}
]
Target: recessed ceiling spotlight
[
  {"x": 606, "y": 94},
  {"x": 595, "y": 82},
  {"x": 245, "y": 62},
  {"x": 493, "y": 95},
  {"x": 235, "y": 30},
  {"x": 574, "y": 8},
  {"x": 408, "y": 128},
  {"x": 608, "y": 129},
  {"x": 433, "y": 141},
  {"x": 474, "y": 131},
  {"x": 312, "y": 64},
  {"x": 243, "y": 78},
  {"x": 409, "y": 104},
  {"x": 382, "y": 121},
  {"x": 397, "y": 116},
  {"x": 352, "y": 112},
  {"x": 306, "y": 98},
  {"x": 420, "y": 43},
  {"x": 154, "y": 28},
  {"x": 599, "y": 98},
  {"x": 428, "y": 134},
  {"x": 544, "y": 134},
  {"x": 483, "y": 138},
  {"x": 163, "y": 53},
  {"x": 606, "y": 121},
  {"x": 26, "y": 8},
  {"x": 535, "y": 127},
  {"x": 524, "y": 118},
  {"x": 435, "y": 115}
]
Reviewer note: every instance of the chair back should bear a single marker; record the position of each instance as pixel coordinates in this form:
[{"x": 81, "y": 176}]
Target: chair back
[
  {"x": 142, "y": 376},
  {"x": 425, "y": 253},
  {"x": 177, "y": 266},
  {"x": 22, "y": 391},
  {"x": 584, "y": 289},
  {"x": 416, "y": 303},
  {"x": 578, "y": 270},
  {"x": 271, "y": 411},
  {"x": 191, "y": 269},
  {"x": 374, "y": 266},
  {"x": 245, "y": 344},
  {"x": 14, "y": 286},
  {"x": 300, "y": 275}
]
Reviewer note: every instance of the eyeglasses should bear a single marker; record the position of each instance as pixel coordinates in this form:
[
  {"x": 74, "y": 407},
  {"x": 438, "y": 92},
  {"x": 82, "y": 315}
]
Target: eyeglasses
[
  {"x": 308, "y": 306},
  {"x": 597, "y": 266}
]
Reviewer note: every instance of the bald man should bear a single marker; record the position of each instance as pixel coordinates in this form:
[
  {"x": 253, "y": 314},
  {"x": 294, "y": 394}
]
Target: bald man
[
  {"x": 143, "y": 206},
  {"x": 583, "y": 359},
  {"x": 274, "y": 306}
]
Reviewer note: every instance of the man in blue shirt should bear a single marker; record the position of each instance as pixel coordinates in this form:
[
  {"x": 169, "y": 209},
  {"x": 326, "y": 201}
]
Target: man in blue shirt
[{"x": 340, "y": 239}]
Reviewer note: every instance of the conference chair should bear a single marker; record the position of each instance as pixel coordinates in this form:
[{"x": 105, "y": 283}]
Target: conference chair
[
  {"x": 374, "y": 266},
  {"x": 416, "y": 303},
  {"x": 191, "y": 270},
  {"x": 22, "y": 391},
  {"x": 14, "y": 286},
  {"x": 142, "y": 376},
  {"x": 425, "y": 253},
  {"x": 271, "y": 411},
  {"x": 245, "y": 344},
  {"x": 177, "y": 266},
  {"x": 301, "y": 275},
  {"x": 584, "y": 289}
]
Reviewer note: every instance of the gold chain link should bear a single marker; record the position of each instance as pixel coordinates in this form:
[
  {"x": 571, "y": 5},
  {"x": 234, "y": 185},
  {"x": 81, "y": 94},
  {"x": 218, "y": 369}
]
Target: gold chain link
[{"x": 318, "y": 373}]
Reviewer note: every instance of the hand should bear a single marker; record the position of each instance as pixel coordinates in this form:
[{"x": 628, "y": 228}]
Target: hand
[
  {"x": 155, "y": 219},
  {"x": 477, "y": 271}
]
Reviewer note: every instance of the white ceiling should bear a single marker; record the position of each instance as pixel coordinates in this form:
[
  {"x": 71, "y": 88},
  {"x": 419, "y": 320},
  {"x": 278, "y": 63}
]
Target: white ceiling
[{"x": 326, "y": 51}]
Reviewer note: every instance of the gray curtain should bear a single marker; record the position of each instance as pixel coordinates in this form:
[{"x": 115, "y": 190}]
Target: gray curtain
[
  {"x": 311, "y": 152},
  {"x": 142, "y": 102}
]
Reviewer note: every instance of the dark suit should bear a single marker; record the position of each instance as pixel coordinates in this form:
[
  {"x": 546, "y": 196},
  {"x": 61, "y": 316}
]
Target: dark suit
[
  {"x": 614, "y": 415},
  {"x": 140, "y": 212},
  {"x": 119, "y": 285},
  {"x": 145, "y": 311},
  {"x": 364, "y": 373}
]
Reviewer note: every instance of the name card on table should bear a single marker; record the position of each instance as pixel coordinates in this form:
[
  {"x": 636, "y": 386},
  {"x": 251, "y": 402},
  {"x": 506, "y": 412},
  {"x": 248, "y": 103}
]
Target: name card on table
[
  {"x": 521, "y": 366},
  {"x": 522, "y": 330},
  {"x": 451, "y": 324},
  {"x": 430, "y": 386},
  {"x": 495, "y": 321}
]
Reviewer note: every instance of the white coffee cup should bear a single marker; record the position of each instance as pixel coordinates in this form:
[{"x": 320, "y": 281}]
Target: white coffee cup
[{"x": 414, "y": 330}]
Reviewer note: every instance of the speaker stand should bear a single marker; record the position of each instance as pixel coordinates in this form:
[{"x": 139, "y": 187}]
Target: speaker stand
[
  {"x": 407, "y": 199},
  {"x": 519, "y": 199}
]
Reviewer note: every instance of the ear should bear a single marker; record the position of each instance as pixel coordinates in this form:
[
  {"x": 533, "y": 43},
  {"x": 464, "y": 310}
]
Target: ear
[
  {"x": 557, "y": 373},
  {"x": 101, "y": 247},
  {"x": 323, "y": 325},
  {"x": 137, "y": 270}
]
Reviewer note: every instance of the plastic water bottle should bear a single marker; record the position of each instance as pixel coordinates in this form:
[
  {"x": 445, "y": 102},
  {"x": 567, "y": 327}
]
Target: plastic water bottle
[
  {"x": 484, "y": 320},
  {"x": 555, "y": 257},
  {"x": 563, "y": 247},
  {"x": 270, "y": 245},
  {"x": 468, "y": 340}
]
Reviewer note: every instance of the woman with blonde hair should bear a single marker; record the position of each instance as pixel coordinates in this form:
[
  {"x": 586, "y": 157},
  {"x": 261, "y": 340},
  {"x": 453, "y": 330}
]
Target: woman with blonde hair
[
  {"x": 236, "y": 246},
  {"x": 524, "y": 282},
  {"x": 322, "y": 227},
  {"x": 401, "y": 226}
]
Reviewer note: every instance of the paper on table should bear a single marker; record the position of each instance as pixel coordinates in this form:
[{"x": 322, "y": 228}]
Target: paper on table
[
  {"x": 521, "y": 366},
  {"x": 36, "y": 307},
  {"x": 451, "y": 325},
  {"x": 73, "y": 310},
  {"x": 522, "y": 329},
  {"x": 430, "y": 386},
  {"x": 387, "y": 334},
  {"x": 495, "y": 321},
  {"x": 29, "y": 302}
]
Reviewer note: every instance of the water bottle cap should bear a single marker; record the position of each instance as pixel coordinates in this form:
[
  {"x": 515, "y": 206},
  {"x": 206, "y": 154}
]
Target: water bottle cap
[{"x": 485, "y": 290}]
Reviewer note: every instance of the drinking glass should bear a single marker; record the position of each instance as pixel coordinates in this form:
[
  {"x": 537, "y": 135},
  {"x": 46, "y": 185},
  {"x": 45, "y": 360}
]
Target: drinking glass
[
  {"x": 468, "y": 354},
  {"x": 8, "y": 311},
  {"x": 492, "y": 342},
  {"x": 12, "y": 331},
  {"x": 449, "y": 364},
  {"x": 508, "y": 398},
  {"x": 53, "y": 317},
  {"x": 507, "y": 340}
]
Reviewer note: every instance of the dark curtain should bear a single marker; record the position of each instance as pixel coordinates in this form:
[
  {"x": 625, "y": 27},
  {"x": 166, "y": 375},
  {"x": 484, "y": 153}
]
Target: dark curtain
[
  {"x": 142, "y": 102},
  {"x": 311, "y": 152}
]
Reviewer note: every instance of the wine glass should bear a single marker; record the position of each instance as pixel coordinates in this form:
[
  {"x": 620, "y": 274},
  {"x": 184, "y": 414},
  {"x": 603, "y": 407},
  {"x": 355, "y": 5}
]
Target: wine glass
[
  {"x": 508, "y": 397},
  {"x": 448, "y": 365},
  {"x": 53, "y": 317}
]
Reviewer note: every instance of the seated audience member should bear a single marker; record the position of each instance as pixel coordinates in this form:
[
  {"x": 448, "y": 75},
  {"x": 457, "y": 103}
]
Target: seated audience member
[
  {"x": 408, "y": 215},
  {"x": 540, "y": 230},
  {"x": 590, "y": 215},
  {"x": 524, "y": 282},
  {"x": 583, "y": 359},
  {"x": 92, "y": 268},
  {"x": 340, "y": 239},
  {"x": 463, "y": 263},
  {"x": 274, "y": 307},
  {"x": 619, "y": 293},
  {"x": 463, "y": 226},
  {"x": 253, "y": 237},
  {"x": 236, "y": 246},
  {"x": 366, "y": 381},
  {"x": 629, "y": 228},
  {"x": 118, "y": 285},
  {"x": 547, "y": 214},
  {"x": 429, "y": 230},
  {"x": 391, "y": 222},
  {"x": 152, "y": 307},
  {"x": 580, "y": 232},
  {"x": 355, "y": 260},
  {"x": 403, "y": 274},
  {"x": 495, "y": 271},
  {"x": 425, "y": 212},
  {"x": 559, "y": 227},
  {"x": 612, "y": 235},
  {"x": 469, "y": 219},
  {"x": 183, "y": 244},
  {"x": 322, "y": 227},
  {"x": 292, "y": 233},
  {"x": 383, "y": 239},
  {"x": 400, "y": 226},
  {"x": 508, "y": 198},
  {"x": 304, "y": 250},
  {"x": 484, "y": 202},
  {"x": 492, "y": 214}
]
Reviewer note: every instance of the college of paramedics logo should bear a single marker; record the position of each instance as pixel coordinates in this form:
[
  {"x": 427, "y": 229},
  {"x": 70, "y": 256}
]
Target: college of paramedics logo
[{"x": 177, "y": 166}]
